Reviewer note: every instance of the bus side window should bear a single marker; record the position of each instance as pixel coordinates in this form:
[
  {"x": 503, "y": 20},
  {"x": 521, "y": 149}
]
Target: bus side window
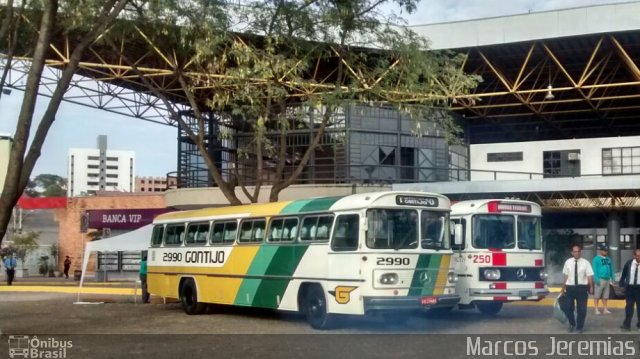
[
  {"x": 290, "y": 229},
  {"x": 258, "y": 230},
  {"x": 175, "y": 235},
  {"x": 324, "y": 228},
  {"x": 275, "y": 230},
  {"x": 464, "y": 232},
  {"x": 345, "y": 234},
  {"x": 230, "y": 231},
  {"x": 156, "y": 235},
  {"x": 308, "y": 226},
  {"x": 217, "y": 233}
]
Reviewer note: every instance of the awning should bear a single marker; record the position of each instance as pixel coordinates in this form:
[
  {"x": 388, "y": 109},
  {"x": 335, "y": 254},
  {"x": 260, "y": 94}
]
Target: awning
[{"x": 137, "y": 240}]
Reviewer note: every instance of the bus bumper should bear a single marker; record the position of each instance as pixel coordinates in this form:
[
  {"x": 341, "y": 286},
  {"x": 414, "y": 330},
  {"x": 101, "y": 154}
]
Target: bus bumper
[
  {"x": 510, "y": 294},
  {"x": 409, "y": 303}
]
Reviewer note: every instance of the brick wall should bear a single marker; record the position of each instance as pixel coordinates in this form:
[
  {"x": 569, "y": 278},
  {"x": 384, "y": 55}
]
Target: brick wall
[{"x": 71, "y": 241}]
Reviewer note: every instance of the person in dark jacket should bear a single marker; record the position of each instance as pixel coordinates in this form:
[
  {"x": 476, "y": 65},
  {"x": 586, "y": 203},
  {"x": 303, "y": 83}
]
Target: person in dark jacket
[{"x": 630, "y": 280}]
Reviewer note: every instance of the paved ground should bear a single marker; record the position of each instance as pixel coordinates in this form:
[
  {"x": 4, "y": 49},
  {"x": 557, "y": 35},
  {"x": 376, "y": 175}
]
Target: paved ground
[{"x": 119, "y": 326}]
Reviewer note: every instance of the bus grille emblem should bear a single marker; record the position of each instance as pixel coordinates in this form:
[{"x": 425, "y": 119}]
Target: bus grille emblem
[
  {"x": 425, "y": 278},
  {"x": 521, "y": 274}
]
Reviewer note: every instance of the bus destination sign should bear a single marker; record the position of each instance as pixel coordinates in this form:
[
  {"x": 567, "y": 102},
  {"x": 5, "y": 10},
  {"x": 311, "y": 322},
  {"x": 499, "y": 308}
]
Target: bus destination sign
[{"x": 417, "y": 201}]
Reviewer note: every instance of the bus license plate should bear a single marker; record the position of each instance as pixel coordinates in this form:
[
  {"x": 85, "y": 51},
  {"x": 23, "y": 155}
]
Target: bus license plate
[{"x": 429, "y": 300}]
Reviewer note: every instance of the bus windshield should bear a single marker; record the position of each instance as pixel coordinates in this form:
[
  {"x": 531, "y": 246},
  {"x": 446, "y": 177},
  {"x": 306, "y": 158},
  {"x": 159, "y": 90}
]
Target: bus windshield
[
  {"x": 493, "y": 231},
  {"x": 434, "y": 230},
  {"x": 392, "y": 229},
  {"x": 529, "y": 233}
]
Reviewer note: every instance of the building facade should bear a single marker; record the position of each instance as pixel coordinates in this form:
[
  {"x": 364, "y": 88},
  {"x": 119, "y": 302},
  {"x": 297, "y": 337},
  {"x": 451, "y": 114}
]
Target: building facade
[
  {"x": 100, "y": 169},
  {"x": 369, "y": 145},
  {"x": 155, "y": 184}
]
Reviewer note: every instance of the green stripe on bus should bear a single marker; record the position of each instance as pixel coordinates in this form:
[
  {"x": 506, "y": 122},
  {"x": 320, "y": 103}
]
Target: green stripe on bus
[
  {"x": 249, "y": 287},
  {"x": 434, "y": 269},
  {"x": 320, "y": 204},
  {"x": 283, "y": 263},
  {"x": 294, "y": 207},
  {"x": 416, "y": 284}
]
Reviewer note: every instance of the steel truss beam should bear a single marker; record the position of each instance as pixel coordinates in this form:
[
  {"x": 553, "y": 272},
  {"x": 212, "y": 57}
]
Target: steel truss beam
[
  {"x": 595, "y": 84},
  {"x": 569, "y": 200}
]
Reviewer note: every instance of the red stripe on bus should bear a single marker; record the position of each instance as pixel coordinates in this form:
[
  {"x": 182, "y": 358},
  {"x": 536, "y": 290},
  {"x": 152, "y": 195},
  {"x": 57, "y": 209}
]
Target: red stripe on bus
[
  {"x": 500, "y": 285},
  {"x": 501, "y": 299},
  {"x": 495, "y": 249},
  {"x": 539, "y": 285},
  {"x": 499, "y": 259}
]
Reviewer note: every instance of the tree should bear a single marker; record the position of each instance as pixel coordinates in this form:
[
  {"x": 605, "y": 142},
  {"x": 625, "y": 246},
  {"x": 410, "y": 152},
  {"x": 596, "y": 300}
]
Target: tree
[
  {"x": 85, "y": 20},
  {"x": 23, "y": 244},
  {"x": 295, "y": 64},
  {"x": 52, "y": 185}
]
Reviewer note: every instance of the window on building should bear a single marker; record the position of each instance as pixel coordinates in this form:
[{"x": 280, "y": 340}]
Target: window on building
[
  {"x": 93, "y": 158},
  {"x": 387, "y": 156},
  {"x": 93, "y": 167},
  {"x": 626, "y": 241},
  {"x": 112, "y": 175},
  {"x": 504, "y": 156},
  {"x": 564, "y": 163},
  {"x": 112, "y": 158},
  {"x": 91, "y": 183},
  {"x": 112, "y": 167},
  {"x": 621, "y": 160}
]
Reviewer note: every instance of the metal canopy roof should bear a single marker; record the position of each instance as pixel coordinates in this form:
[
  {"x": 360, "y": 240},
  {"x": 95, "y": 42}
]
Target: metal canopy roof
[{"x": 583, "y": 86}]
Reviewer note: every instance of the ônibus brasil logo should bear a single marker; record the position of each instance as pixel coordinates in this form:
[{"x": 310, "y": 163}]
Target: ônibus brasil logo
[{"x": 24, "y": 346}]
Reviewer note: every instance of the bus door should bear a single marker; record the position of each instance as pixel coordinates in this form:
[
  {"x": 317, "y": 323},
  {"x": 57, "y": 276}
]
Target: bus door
[{"x": 345, "y": 262}]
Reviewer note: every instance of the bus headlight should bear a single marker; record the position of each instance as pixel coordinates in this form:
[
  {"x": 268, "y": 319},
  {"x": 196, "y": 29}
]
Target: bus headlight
[
  {"x": 452, "y": 277},
  {"x": 492, "y": 274},
  {"x": 543, "y": 274},
  {"x": 389, "y": 278}
]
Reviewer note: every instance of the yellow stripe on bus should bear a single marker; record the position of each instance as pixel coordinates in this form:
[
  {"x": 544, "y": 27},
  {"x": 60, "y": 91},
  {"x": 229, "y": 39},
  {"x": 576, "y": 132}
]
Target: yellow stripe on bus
[
  {"x": 211, "y": 289},
  {"x": 443, "y": 275}
]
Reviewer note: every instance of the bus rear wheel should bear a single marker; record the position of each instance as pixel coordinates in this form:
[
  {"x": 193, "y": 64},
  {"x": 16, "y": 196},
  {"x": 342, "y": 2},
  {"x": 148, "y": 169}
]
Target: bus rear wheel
[
  {"x": 489, "y": 308},
  {"x": 189, "y": 298},
  {"x": 315, "y": 306}
]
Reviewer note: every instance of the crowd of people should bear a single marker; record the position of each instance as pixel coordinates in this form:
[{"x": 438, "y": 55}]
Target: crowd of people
[{"x": 582, "y": 278}]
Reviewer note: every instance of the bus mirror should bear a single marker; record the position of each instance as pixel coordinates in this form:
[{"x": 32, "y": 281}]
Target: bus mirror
[{"x": 457, "y": 234}]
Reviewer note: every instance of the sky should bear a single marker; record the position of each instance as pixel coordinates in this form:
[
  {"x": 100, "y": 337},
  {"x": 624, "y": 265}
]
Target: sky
[{"x": 156, "y": 145}]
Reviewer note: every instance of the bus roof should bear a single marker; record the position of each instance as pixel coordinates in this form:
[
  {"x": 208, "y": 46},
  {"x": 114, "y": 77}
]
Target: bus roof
[
  {"x": 318, "y": 204},
  {"x": 510, "y": 206}
]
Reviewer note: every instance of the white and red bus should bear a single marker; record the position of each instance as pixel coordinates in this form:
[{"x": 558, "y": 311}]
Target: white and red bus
[{"x": 499, "y": 256}]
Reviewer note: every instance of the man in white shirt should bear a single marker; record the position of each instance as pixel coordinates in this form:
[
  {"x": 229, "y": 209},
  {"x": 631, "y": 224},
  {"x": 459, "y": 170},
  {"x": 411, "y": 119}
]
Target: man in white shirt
[
  {"x": 578, "y": 283},
  {"x": 630, "y": 280}
]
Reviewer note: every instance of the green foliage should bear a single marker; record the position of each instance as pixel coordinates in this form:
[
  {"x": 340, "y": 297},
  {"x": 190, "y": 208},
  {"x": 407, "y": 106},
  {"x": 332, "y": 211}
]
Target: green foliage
[
  {"x": 24, "y": 243},
  {"x": 558, "y": 245},
  {"x": 46, "y": 185}
]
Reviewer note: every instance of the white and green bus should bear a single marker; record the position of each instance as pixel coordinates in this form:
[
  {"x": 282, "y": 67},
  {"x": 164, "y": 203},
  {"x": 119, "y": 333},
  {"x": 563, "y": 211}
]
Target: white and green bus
[
  {"x": 382, "y": 252},
  {"x": 499, "y": 258}
]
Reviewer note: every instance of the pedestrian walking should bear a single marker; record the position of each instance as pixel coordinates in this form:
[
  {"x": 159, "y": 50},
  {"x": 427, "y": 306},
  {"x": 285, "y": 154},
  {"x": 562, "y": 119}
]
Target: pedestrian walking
[
  {"x": 143, "y": 277},
  {"x": 10, "y": 264},
  {"x": 67, "y": 265},
  {"x": 602, "y": 276},
  {"x": 630, "y": 280},
  {"x": 578, "y": 283}
]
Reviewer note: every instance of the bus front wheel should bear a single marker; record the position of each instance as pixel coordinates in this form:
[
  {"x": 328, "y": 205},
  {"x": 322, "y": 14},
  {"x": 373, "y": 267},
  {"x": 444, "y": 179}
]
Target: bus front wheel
[
  {"x": 316, "y": 309},
  {"x": 189, "y": 298},
  {"x": 489, "y": 308}
]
